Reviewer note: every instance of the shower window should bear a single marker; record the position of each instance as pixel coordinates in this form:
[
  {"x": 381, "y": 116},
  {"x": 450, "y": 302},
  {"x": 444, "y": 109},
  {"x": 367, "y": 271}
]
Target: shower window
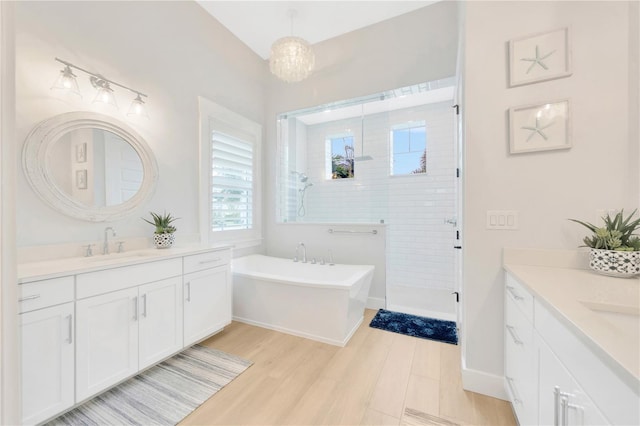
[
  {"x": 341, "y": 151},
  {"x": 409, "y": 149}
]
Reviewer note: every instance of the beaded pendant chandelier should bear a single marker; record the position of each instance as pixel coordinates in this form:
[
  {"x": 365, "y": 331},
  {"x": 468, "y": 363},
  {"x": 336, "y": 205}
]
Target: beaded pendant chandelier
[{"x": 291, "y": 58}]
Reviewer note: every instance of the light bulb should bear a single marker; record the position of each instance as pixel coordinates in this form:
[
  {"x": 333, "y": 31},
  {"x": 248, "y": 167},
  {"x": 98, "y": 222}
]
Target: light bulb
[
  {"x": 138, "y": 108},
  {"x": 105, "y": 94},
  {"x": 67, "y": 81}
]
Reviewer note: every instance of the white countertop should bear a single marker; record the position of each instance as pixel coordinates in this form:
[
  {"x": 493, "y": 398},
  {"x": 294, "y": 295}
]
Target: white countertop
[
  {"x": 585, "y": 302},
  {"x": 43, "y": 270}
]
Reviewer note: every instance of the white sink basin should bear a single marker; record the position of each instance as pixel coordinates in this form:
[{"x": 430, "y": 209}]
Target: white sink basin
[{"x": 626, "y": 317}]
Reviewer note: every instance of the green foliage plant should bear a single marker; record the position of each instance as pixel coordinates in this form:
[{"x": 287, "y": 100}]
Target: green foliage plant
[
  {"x": 616, "y": 234},
  {"x": 162, "y": 222}
]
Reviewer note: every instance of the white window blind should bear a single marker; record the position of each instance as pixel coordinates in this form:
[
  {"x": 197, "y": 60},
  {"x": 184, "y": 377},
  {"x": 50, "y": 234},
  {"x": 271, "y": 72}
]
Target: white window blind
[{"x": 231, "y": 183}]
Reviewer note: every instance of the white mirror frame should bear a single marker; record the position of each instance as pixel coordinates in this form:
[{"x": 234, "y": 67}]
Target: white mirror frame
[{"x": 37, "y": 149}]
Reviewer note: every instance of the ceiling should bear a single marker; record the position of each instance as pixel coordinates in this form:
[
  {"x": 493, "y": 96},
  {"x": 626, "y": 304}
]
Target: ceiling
[{"x": 259, "y": 23}]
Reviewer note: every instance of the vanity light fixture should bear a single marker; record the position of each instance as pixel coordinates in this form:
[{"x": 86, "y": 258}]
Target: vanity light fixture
[
  {"x": 67, "y": 81},
  {"x": 104, "y": 93},
  {"x": 292, "y": 58},
  {"x": 137, "y": 107}
]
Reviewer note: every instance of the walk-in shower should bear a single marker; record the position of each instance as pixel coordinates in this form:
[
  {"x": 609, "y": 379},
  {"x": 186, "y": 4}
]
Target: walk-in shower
[{"x": 387, "y": 158}]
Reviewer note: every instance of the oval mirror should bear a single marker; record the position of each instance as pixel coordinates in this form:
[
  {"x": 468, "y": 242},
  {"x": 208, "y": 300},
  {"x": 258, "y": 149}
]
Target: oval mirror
[{"x": 89, "y": 166}]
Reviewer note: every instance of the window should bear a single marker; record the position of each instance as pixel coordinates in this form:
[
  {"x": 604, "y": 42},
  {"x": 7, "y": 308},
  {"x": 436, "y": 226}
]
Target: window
[
  {"x": 409, "y": 149},
  {"x": 231, "y": 183},
  {"x": 229, "y": 171},
  {"x": 341, "y": 148}
]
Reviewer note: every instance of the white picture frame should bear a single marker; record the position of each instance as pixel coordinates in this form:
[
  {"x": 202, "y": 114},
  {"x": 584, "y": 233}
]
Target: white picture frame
[
  {"x": 540, "y": 57},
  {"x": 540, "y": 127},
  {"x": 81, "y": 152},
  {"x": 81, "y": 179}
]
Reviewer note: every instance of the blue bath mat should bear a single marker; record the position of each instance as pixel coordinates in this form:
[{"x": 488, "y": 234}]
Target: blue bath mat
[{"x": 413, "y": 325}]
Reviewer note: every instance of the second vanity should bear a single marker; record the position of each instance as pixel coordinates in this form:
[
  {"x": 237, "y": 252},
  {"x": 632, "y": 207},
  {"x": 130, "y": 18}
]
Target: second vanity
[
  {"x": 572, "y": 341},
  {"x": 87, "y": 324}
]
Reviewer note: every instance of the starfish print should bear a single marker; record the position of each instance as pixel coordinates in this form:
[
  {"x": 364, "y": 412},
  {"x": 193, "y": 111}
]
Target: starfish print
[
  {"x": 538, "y": 59},
  {"x": 538, "y": 129}
]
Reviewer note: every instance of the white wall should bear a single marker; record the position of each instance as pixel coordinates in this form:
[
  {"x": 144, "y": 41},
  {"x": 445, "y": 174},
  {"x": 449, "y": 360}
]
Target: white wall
[
  {"x": 545, "y": 187},
  {"x": 406, "y": 50},
  {"x": 172, "y": 51}
]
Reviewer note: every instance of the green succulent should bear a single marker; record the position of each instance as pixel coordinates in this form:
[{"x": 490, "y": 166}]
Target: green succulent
[
  {"x": 162, "y": 222},
  {"x": 616, "y": 234}
]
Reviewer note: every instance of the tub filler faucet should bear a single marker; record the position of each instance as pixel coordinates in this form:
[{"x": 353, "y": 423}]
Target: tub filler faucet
[
  {"x": 105, "y": 245},
  {"x": 304, "y": 253}
]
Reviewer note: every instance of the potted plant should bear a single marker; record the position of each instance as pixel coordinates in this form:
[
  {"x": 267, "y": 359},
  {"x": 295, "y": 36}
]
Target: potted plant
[
  {"x": 615, "y": 250},
  {"x": 163, "y": 236}
]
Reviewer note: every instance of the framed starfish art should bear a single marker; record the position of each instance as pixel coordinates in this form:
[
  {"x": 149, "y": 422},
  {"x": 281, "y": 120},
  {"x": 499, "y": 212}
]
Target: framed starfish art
[
  {"x": 540, "y": 127},
  {"x": 539, "y": 57}
]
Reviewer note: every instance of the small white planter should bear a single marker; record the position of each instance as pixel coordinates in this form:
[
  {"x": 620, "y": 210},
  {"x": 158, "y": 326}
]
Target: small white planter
[
  {"x": 163, "y": 240},
  {"x": 615, "y": 263}
]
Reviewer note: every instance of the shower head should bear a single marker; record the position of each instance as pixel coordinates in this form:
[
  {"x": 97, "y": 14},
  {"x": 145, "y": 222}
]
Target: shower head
[{"x": 303, "y": 178}]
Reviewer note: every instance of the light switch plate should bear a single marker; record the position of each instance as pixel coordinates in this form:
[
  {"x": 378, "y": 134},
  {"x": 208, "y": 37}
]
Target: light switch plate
[{"x": 502, "y": 219}]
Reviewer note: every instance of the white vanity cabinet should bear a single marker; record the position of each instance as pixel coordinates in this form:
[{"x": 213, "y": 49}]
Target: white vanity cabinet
[
  {"x": 47, "y": 347},
  {"x": 207, "y": 295},
  {"x": 117, "y": 335},
  {"x": 553, "y": 374},
  {"x": 94, "y": 328}
]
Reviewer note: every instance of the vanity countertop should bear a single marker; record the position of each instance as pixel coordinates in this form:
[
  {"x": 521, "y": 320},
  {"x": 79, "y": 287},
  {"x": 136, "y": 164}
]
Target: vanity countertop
[
  {"x": 43, "y": 270},
  {"x": 602, "y": 311}
]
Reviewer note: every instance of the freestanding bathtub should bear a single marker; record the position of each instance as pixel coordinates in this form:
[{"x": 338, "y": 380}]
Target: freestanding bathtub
[{"x": 320, "y": 302}]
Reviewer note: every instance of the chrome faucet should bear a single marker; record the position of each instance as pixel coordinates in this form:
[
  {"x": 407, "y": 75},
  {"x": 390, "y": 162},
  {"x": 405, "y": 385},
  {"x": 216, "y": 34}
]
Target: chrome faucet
[
  {"x": 105, "y": 245},
  {"x": 304, "y": 252}
]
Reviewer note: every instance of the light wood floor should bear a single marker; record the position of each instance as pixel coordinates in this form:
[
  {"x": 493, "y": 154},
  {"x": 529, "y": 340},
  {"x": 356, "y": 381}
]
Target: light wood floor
[{"x": 379, "y": 378}]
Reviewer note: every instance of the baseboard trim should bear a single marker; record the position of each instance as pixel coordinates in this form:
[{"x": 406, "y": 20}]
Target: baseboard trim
[
  {"x": 376, "y": 303},
  {"x": 484, "y": 383},
  {"x": 285, "y": 330}
]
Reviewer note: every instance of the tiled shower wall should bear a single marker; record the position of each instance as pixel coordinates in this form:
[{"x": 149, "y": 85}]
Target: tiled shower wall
[{"x": 414, "y": 207}]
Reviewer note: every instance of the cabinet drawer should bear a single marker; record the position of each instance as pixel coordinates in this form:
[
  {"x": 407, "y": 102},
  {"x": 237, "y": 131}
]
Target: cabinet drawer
[
  {"x": 517, "y": 293},
  {"x": 100, "y": 282},
  {"x": 521, "y": 372},
  {"x": 40, "y": 294},
  {"x": 202, "y": 261}
]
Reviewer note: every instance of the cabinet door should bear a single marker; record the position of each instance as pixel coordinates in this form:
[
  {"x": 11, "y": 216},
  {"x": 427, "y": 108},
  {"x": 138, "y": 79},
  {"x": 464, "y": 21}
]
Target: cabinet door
[
  {"x": 47, "y": 362},
  {"x": 562, "y": 401},
  {"x": 107, "y": 340},
  {"x": 160, "y": 326},
  {"x": 207, "y": 303}
]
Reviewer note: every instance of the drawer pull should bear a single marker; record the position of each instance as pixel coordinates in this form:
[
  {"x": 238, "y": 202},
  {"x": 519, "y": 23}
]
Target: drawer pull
[
  {"x": 514, "y": 293},
  {"x": 188, "y": 285},
  {"x": 34, "y": 296},
  {"x": 204, "y": 262},
  {"x": 561, "y": 407},
  {"x": 514, "y": 336},
  {"x": 70, "y": 339},
  {"x": 516, "y": 398},
  {"x": 144, "y": 305},
  {"x": 135, "y": 308}
]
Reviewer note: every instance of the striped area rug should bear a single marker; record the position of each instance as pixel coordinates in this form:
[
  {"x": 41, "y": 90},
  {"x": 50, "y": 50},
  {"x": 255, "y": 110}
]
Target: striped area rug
[{"x": 162, "y": 395}]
